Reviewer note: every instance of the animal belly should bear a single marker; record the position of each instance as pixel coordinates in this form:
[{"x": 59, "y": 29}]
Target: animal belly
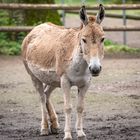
[{"x": 47, "y": 76}]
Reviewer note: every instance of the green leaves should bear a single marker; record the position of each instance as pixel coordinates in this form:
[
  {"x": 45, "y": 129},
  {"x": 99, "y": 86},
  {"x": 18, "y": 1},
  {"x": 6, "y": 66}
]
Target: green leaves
[{"x": 10, "y": 47}]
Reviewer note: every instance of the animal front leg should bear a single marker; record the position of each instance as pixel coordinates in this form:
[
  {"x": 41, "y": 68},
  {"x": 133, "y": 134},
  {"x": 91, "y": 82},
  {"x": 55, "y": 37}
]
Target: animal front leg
[
  {"x": 80, "y": 108},
  {"x": 65, "y": 85}
]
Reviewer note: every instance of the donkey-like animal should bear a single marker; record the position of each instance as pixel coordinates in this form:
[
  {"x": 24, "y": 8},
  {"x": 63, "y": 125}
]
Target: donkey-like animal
[{"x": 58, "y": 57}]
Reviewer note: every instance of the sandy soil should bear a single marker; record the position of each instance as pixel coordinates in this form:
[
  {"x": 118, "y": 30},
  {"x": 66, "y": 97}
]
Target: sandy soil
[{"x": 112, "y": 109}]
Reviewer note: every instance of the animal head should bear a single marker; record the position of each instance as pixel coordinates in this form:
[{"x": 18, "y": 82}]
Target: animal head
[{"x": 92, "y": 39}]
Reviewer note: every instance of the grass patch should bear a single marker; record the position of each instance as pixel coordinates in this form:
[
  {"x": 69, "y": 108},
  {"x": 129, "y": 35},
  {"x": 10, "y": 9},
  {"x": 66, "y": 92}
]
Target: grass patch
[{"x": 111, "y": 47}]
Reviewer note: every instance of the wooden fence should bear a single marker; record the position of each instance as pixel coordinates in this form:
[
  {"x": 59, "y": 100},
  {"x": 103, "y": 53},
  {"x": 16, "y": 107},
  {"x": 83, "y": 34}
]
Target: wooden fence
[
  {"x": 65, "y": 7},
  {"x": 15, "y": 6},
  {"x": 28, "y": 28}
]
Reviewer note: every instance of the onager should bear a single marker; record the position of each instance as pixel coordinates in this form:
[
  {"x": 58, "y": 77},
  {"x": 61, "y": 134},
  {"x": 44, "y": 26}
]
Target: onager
[{"x": 58, "y": 57}]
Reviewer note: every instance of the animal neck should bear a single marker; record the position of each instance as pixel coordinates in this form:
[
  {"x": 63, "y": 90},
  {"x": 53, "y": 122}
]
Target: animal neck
[{"x": 79, "y": 63}]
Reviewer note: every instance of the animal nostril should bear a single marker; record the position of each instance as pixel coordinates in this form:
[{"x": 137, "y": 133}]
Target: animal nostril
[
  {"x": 100, "y": 68},
  {"x": 90, "y": 68}
]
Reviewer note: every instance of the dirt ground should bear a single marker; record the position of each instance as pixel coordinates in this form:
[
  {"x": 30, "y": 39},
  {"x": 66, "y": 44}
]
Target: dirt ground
[{"x": 112, "y": 109}]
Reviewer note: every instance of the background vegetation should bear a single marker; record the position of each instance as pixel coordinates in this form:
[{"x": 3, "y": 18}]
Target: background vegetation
[
  {"x": 10, "y": 43},
  {"x": 114, "y": 48},
  {"x": 89, "y": 2}
]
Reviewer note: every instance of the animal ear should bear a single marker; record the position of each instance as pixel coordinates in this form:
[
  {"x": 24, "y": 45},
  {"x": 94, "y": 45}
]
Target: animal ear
[
  {"x": 101, "y": 14},
  {"x": 83, "y": 15}
]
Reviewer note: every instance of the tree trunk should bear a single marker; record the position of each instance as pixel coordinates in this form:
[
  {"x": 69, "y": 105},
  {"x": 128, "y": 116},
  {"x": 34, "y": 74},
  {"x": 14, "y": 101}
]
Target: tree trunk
[{"x": 34, "y": 17}]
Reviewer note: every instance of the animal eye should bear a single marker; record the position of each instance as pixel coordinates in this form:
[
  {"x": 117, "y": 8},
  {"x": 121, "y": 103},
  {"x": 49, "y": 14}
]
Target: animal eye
[
  {"x": 102, "y": 40},
  {"x": 84, "y": 40}
]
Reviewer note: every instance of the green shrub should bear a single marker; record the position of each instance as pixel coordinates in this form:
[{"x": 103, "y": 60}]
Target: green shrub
[
  {"x": 10, "y": 47},
  {"x": 108, "y": 42},
  {"x": 10, "y": 42}
]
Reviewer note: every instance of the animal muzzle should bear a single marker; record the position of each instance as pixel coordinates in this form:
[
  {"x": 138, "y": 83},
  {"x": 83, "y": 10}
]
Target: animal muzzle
[{"x": 95, "y": 70}]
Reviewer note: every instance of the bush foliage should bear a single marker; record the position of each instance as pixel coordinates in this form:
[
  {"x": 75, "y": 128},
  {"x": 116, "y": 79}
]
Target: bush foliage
[{"x": 10, "y": 42}]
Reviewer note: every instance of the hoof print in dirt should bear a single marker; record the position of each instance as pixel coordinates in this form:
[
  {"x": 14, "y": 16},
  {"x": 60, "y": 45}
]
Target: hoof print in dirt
[
  {"x": 82, "y": 138},
  {"x": 54, "y": 130},
  {"x": 67, "y": 139},
  {"x": 44, "y": 132}
]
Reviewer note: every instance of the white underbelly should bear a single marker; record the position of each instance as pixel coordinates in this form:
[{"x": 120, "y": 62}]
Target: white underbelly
[{"x": 47, "y": 76}]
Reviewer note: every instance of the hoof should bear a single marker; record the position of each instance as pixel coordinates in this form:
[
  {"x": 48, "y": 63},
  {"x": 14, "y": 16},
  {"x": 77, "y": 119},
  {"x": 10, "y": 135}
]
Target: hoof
[
  {"x": 81, "y": 135},
  {"x": 67, "y": 136},
  {"x": 44, "y": 132},
  {"x": 54, "y": 130}
]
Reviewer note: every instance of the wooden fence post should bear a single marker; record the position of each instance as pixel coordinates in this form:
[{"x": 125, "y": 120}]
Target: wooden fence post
[{"x": 124, "y": 23}]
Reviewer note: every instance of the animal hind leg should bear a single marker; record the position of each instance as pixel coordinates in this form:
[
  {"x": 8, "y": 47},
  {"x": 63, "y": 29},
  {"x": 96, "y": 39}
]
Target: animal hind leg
[
  {"x": 44, "y": 123},
  {"x": 51, "y": 111}
]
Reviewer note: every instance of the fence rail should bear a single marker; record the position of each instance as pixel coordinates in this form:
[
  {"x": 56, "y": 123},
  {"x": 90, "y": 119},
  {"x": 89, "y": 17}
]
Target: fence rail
[
  {"x": 107, "y": 14},
  {"x": 29, "y": 28},
  {"x": 66, "y": 7}
]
